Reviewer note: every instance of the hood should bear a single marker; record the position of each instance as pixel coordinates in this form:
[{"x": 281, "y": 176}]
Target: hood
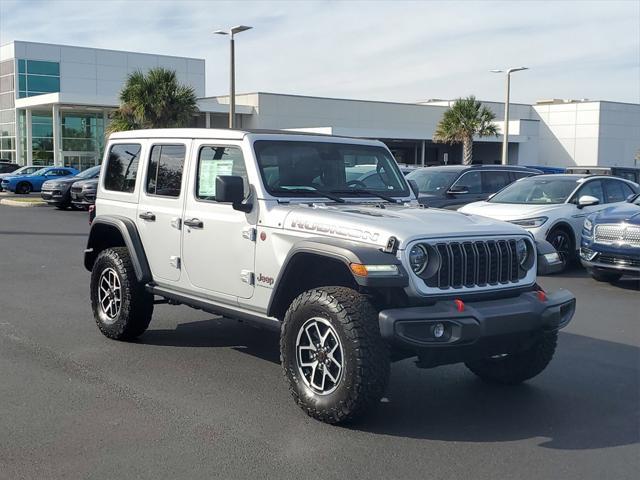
[
  {"x": 63, "y": 180},
  {"x": 82, "y": 183},
  {"x": 374, "y": 224},
  {"x": 627, "y": 212},
  {"x": 510, "y": 211}
]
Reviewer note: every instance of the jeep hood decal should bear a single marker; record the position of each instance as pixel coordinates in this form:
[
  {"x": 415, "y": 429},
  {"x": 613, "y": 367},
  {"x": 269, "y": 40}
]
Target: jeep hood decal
[{"x": 374, "y": 225}]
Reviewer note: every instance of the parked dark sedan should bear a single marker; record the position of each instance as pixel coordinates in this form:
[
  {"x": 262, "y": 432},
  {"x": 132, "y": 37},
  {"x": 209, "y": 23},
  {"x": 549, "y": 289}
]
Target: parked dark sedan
[
  {"x": 456, "y": 185},
  {"x": 83, "y": 193},
  {"x": 611, "y": 241},
  {"x": 58, "y": 192}
]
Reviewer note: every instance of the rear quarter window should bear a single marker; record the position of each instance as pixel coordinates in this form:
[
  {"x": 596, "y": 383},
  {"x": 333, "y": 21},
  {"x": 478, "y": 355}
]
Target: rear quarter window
[{"x": 122, "y": 167}]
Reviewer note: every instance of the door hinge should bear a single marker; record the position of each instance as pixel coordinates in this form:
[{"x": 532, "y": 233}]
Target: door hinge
[
  {"x": 174, "y": 261},
  {"x": 249, "y": 234},
  {"x": 247, "y": 276}
]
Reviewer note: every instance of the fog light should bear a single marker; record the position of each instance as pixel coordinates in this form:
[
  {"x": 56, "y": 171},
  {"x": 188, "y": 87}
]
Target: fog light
[{"x": 438, "y": 330}]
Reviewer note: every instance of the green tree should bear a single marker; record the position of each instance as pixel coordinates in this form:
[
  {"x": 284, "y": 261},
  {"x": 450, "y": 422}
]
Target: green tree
[
  {"x": 464, "y": 120},
  {"x": 153, "y": 100}
]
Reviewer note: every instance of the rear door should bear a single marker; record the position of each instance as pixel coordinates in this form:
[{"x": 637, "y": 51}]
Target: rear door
[
  {"x": 494, "y": 180},
  {"x": 159, "y": 214}
]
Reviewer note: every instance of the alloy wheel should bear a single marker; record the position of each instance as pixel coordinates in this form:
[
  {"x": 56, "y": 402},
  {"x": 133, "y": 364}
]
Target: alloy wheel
[
  {"x": 109, "y": 294},
  {"x": 319, "y": 356}
]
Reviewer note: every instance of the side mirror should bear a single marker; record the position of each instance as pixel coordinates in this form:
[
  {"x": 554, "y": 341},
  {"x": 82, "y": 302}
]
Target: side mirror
[
  {"x": 458, "y": 189},
  {"x": 587, "y": 201},
  {"x": 414, "y": 187},
  {"x": 230, "y": 189}
]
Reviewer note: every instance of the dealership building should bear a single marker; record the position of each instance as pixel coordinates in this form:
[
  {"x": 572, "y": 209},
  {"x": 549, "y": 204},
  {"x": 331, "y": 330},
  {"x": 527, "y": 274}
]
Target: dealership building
[{"x": 55, "y": 102}]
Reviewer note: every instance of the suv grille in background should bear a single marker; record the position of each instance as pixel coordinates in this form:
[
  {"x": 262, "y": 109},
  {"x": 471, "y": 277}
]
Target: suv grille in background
[
  {"x": 475, "y": 264},
  {"x": 611, "y": 233}
]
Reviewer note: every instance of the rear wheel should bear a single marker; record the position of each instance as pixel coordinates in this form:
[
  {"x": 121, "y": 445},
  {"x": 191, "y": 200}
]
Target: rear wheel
[
  {"x": 121, "y": 306},
  {"x": 562, "y": 241},
  {"x": 605, "y": 276},
  {"x": 23, "y": 188},
  {"x": 514, "y": 368},
  {"x": 333, "y": 357}
]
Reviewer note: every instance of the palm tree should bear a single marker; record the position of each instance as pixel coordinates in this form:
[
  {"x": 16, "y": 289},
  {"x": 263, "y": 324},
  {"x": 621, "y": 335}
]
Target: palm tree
[
  {"x": 153, "y": 100},
  {"x": 464, "y": 120}
]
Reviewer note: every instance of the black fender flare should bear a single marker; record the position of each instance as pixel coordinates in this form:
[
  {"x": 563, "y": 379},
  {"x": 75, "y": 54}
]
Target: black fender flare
[
  {"x": 346, "y": 252},
  {"x": 129, "y": 233}
]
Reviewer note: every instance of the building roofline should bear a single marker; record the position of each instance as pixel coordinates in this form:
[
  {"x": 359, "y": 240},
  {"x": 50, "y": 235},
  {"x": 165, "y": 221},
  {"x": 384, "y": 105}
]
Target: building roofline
[
  {"x": 101, "y": 49},
  {"x": 327, "y": 98}
]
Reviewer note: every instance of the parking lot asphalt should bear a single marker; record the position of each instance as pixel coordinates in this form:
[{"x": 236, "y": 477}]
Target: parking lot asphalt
[{"x": 198, "y": 396}]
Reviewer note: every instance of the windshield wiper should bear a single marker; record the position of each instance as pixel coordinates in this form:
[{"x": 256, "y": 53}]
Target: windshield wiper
[
  {"x": 313, "y": 191},
  {"x": 373, "y": 193}
]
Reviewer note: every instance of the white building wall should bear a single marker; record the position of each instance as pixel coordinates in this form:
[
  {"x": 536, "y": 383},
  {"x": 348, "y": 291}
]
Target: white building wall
[
  {"x": 102, "y": 73},
  {"x": 619, "y": 134}
]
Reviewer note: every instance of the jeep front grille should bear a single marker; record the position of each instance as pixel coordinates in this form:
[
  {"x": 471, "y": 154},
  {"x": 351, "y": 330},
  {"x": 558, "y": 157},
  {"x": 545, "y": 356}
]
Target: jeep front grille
[
  {"x": 610, "y": 234},
  {"x": 475, "y": 264}
]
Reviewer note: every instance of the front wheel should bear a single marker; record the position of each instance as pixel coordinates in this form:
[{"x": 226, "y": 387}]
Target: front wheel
[
  {"x": 333, "y": 357},
  {"x": 23, "y": 188},
  {"x": 563, "y": 242},
  {"x": 121, "y": 306},
  {"x": 605, "y": 276},
  {"x": 514, "y": 368}
]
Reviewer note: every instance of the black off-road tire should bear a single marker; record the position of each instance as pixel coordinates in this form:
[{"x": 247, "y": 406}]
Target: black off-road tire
[
  {"x": 604, "y": 276},
  {"x": 136, "y": 307},
  {"x": 515, "y": 368},
  {"x": 366, "y": 364}
]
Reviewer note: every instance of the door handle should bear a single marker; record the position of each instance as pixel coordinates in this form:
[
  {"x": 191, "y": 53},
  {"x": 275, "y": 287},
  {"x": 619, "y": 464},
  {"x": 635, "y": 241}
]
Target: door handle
[
  {"x": 194, "y": 223},
  {"x": 150, "y": 216}
]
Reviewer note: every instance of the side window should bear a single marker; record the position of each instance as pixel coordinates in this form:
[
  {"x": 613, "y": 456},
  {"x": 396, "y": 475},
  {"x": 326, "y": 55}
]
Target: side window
[
  {"x": 616, "y": 191},
  {"x": 494, "y": 181},
  {"x": 214, "y": 161},
  {"x": 471, "y": 180},
  {"x": 122, "y": 167},
  {"x": 519, "y": 175},
  {"x": 593, "y": 188},
  {"x": 164, "y": 175}
]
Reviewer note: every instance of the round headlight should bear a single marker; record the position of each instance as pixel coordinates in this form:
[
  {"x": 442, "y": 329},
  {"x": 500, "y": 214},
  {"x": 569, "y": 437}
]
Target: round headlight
[
  {"x": 522, "y": 250},
  {"x": 418, "y": 258}
]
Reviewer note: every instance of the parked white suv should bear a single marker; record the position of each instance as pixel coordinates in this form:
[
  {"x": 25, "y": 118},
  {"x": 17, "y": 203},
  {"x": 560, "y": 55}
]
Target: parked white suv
[
  {"x": 267, "y": 228},
  {"x": 553, "y": 207}
]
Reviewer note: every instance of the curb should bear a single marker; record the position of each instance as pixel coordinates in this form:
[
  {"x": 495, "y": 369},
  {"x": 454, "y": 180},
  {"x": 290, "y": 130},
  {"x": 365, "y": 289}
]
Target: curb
[{"x": 17, "y": 203}]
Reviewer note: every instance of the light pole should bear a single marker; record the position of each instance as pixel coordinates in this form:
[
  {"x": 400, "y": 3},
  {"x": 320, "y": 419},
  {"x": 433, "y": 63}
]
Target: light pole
[
  {"x": 505, "y": 140},
  {"x": 232, "y": 69}
]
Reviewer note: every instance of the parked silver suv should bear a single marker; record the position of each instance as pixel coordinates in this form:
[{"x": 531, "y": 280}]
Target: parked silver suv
[{"x": 267, "y": 228}]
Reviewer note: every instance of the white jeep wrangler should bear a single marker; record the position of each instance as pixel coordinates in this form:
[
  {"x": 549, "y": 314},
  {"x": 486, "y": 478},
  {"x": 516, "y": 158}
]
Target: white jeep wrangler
[{"x": 294, "y": 232}]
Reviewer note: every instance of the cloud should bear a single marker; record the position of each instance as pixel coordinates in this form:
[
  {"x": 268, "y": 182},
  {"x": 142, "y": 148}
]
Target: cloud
[{"x": 397, "y": 51}]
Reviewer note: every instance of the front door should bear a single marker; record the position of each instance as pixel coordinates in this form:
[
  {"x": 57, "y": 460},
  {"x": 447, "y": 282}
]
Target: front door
[
  {"x": 159, "y": 215},
  {"x": 218, "y": 242}
]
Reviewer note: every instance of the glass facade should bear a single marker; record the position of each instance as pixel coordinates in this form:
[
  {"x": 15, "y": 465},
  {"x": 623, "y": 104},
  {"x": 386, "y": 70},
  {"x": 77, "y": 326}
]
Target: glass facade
[
  {"x": 82, "y": 139},
  {"x": 36, "y": 77}
]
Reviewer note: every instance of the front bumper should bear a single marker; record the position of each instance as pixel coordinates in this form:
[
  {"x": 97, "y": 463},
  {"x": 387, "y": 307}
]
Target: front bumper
[
  {"x": 83, "y": 198},
  {"x": 476, "y": 325},
  {"x": 611, "y": 261},
  {"x": 52, "y": 196}
]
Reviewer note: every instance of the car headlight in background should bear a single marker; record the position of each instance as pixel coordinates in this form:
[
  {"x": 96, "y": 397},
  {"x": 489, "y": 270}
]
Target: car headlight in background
[
  {"x": 588, "y": 225},
  {"x": 418, "y": 258},
  {"x": 530, "y": 222}
]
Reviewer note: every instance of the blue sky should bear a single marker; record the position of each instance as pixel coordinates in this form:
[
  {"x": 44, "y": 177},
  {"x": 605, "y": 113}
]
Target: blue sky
[{"x": 396, "y": 51}]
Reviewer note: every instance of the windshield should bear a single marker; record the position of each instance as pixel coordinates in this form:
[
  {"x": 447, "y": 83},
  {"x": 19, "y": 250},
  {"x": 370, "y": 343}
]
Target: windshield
[
  {"x": 301, "y": 168},
  {"x": 89, "y": 172},
  {"x": 42, "y": 171},
  {"x": 24, "y": 171},
  {"x": 432, "y": 181},
  {"x": 536, "y": 190}
]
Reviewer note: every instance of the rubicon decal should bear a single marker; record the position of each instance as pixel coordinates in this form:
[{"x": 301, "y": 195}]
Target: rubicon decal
[
  {"x": 340, "y": 230},
  {"x": 265, "y": 280}
]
